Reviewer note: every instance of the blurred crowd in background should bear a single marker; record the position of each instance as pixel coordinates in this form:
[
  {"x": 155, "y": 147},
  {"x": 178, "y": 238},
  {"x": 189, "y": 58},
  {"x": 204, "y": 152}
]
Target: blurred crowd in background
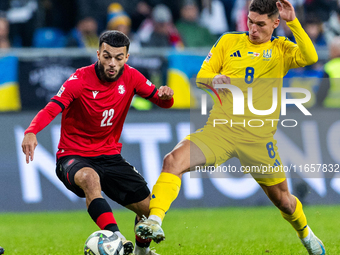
[
  {"x": 151, "y": 23},
  {"x": 174, "y": 24}
]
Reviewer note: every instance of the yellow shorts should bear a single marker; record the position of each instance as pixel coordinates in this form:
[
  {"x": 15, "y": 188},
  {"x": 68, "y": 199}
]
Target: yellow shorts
[{"x": 259, "y": 158}]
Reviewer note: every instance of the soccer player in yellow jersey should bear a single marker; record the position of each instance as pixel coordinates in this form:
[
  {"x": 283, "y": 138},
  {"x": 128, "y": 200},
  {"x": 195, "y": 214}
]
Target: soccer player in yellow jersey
[{"x": 255, "y": 60}]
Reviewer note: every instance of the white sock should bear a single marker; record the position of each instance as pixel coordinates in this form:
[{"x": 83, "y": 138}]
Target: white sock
[
  {"x": 156, "y": 218},
  {"x": 120, "y": 235},
  {"x": 141, "y": 251}
]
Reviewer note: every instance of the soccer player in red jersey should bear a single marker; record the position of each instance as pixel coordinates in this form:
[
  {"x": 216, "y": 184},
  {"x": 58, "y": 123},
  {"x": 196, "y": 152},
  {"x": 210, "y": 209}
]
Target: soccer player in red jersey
[{"x": 94, "y": 103}]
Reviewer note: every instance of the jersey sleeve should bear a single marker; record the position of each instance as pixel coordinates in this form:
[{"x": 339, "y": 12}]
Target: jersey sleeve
[
  {"x": 212, "y": 64},
  {"x": 161, "y": 103},
  {"x": 69, "y": 91},
  {"x": 303, "y": 52},
  {"x": 147, "y": 90},
  {"x": 43, "y": 118},
  {"x": 143, "y": 87}
]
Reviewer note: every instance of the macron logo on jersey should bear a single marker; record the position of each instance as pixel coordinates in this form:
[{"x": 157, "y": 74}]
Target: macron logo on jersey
[
  {"x": 95, "y": 93},
  {"x": 73, "y": 77}
]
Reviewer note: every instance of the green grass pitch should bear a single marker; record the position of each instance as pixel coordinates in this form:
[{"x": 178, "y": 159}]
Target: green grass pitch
[{"x": 246, "y": 230}]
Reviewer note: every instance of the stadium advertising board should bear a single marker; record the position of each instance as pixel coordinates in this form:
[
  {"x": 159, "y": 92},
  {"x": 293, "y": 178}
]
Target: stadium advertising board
[{"x": 147, "y": 137}]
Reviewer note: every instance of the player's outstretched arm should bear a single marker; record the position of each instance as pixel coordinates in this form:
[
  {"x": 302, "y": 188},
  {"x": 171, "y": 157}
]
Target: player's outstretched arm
[
  {"x": 305, "y": 54},
  {"x": 40, "y": 121},
  {"x": 28, "y": 146}
]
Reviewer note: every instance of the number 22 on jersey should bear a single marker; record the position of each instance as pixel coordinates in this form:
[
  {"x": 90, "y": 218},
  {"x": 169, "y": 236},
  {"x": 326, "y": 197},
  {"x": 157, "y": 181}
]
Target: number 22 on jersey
[{"x": 107, "y": 116}]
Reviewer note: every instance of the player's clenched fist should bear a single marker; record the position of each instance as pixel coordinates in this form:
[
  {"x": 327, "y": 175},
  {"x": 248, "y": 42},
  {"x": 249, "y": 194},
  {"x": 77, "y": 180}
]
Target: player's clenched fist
[
  {"x": 28, "y": 145},
  {"x": 220, "y": 79},
  {"x": 165, "y": 93}
]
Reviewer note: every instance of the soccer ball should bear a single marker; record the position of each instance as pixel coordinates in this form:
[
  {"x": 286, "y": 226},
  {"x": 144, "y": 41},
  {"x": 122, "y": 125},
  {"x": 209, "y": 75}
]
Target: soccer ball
[{"x": 103, "y": 242}]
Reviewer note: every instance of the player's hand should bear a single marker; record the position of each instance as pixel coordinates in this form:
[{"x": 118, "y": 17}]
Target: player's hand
[
  {"x": 221, "y": 79},
  {"x": 165, "y": 93},
  {"x": 28, "y": 145},
  {"x": 286, "y": 10}
]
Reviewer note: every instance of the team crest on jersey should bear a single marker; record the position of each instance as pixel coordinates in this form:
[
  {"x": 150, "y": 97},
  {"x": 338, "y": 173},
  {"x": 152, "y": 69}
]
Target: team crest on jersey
[
  {"x": 121, "y": 89},
  {"x": 208, "y": 57},
  {"x": 267, "y": 55},
  {"x": 61, "y": 90}
]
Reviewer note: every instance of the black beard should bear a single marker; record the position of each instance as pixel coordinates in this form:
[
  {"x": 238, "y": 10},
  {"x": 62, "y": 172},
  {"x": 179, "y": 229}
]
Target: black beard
[{"x": 103, "y": 75}]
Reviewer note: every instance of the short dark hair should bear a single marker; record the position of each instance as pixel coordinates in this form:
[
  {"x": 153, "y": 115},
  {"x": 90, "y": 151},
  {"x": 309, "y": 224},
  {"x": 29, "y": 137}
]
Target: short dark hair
[
  {"x": 264, "y": 7},
  {"x": 114, "y": 38}
]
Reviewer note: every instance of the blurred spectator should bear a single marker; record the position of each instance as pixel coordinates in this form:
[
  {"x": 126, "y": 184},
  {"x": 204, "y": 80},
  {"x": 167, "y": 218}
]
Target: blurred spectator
[
  {"x": 119, "y": 20},
  {"x": 22, "y": 16},
  {"x": 173, "y": 5},
  {"x": 321, "y": 8},
  {"x": 193, "y": 34},
  {"x": 84, "y": 35},
  {"x": 98, "y": 10},
  {"x": 4, "y": 31},
  {"x": 159, "y": 31},
  {"x": 59, "y": 14},
  {"x": 314, "y": 29},
  {"x": 332, "y": 26},
  {"x": 214, "y": 17},
  {"x": 141, "y": 13},
  {"x": 240, "y": 14},
  {"x": 329, "y": 90},
  {"x": 228, "y": 7}
]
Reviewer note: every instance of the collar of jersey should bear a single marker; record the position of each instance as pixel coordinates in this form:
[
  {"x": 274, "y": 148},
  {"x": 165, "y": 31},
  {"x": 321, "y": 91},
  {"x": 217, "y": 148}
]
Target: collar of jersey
[{"x": 258, "y": 45}]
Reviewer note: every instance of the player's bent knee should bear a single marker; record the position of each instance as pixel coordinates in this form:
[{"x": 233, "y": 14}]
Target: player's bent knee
[
  {"x": 86, "y": 177},
  {"x": 173, "y": 164},
  {"x": 169, "y": 163}
]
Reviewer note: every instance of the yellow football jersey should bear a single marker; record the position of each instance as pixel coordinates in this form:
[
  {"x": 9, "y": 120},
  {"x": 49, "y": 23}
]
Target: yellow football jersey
[{"x": 255, "y": 68}]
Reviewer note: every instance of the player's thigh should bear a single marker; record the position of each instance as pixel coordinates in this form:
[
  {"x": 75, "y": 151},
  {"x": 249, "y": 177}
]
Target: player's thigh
[
  {"x": 66, "y": 169},
  {"x": 215, "y": 145},
  {"x": 261, "y": 159},
  {"x": 121, "y": 182}
]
